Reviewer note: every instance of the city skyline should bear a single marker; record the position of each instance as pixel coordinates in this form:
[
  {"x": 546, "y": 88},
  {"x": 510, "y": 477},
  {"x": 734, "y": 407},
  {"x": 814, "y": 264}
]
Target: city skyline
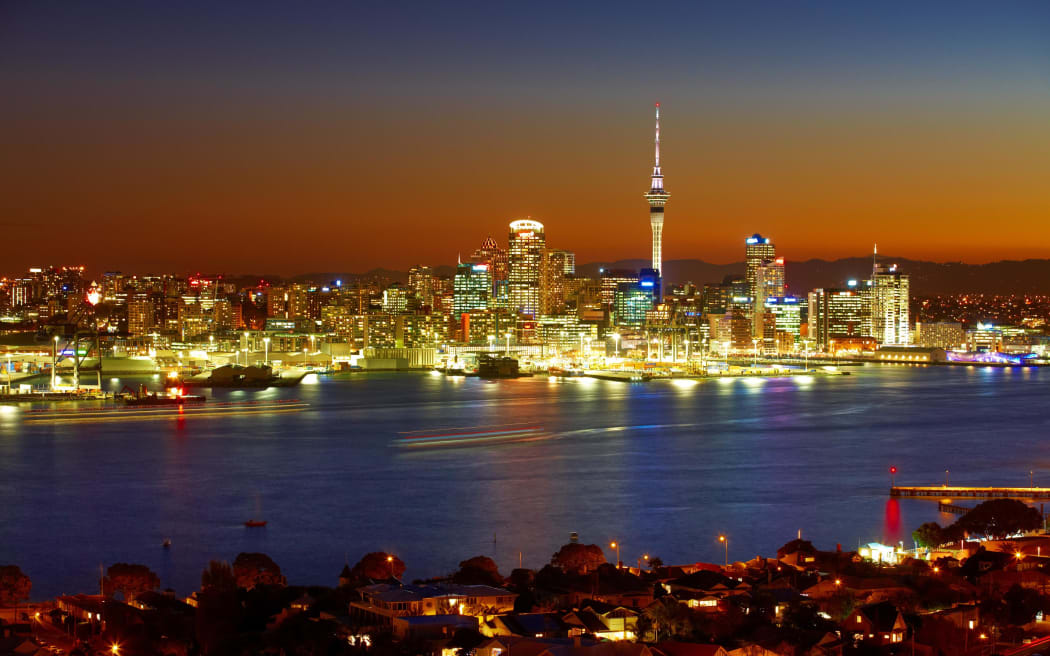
[{"x": 830, "y": 127}]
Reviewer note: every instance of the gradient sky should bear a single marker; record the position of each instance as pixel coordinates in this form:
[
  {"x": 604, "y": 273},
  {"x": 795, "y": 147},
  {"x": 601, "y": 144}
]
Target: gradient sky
[{"x": 292, "y": 137}]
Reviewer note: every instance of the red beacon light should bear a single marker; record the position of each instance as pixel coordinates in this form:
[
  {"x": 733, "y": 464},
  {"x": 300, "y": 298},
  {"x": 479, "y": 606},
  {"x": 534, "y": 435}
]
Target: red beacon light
[{"x": 893, "y": 470}]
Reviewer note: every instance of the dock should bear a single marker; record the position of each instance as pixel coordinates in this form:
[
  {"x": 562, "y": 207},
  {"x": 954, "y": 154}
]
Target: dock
[{"x": 964, "y": 492}]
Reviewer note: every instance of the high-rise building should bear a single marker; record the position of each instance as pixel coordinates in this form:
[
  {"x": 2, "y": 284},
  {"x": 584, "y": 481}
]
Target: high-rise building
[
  {"x": 889, "y": 306},
  {"x": 769, "y": 283},
  {"x": 491, "y": 254},
  {"x": 944, "y": 334},
  {"x": 395, "y": 299},
  {"x": 838, "y": 313},
  {"x": 558, "y": 265},
  {"x": 632, "y": 302},
  {"x": 757, "y": 250},
  {"x": 472, "y": 288},
  {"x": 421, "y": 283},
  {"x": 141, "y": 317},
  {"x": 657, "y": 198},
  {"x": 525, "y": 266}
]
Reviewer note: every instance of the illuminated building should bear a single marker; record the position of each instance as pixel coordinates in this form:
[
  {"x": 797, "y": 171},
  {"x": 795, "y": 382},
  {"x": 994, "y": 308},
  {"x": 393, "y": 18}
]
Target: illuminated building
[
  {"x": 141, "y": 319},
  {"x": 478, "y": 325},
  {"x": 657, "y": 198},
  {"x": 558, "y": 265},
  {"x": 421, "y": 283},
  {"x": 472, "y": 286},
  {"x": 564, "y": 331},
  {"x": 423, "y": 330},
  {"x": 395, "y": 299},
  {"x": 525, "y": 266},
  {"x": 985, "y": 338},
  {"x": 769, "y": 283},
  {"x": 889, "y": 306},
  {"x": 338, "y": 319},
  {"x": 942, "y": 334},
  {"x": 785, "y": 314},
  {"x": 632, "y": 302},
  {"x": 739, "y": 316},
  {"x": 758, "y": 249},
  {"x": 610, "y": 282},
  {"x": 838, "y": 313},
  {"x": 222, "y": 315}
]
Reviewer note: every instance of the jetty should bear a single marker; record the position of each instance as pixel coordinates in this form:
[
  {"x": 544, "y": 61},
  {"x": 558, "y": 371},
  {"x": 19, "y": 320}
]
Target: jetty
[{"x": 966, "y": 492}]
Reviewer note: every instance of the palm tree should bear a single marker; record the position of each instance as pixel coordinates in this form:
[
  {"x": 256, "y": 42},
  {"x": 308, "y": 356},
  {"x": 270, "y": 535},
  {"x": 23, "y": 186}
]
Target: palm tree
[{"x": 668, "y": 616}]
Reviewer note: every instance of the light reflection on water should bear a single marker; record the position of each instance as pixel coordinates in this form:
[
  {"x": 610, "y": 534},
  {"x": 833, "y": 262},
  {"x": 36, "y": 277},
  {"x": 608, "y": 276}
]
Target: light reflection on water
[{"x": 662, "y": 467}]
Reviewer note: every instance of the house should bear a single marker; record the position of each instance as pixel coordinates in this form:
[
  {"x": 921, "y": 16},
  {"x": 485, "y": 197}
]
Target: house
[
  {"x": 752, "y": 650},
  {"x": 385, "y": 601},
  {"x": 878, "y": 624},
  {"x": 430, "y": 627},
  {"x": 527, "y": 625},
  {"x": 705, "y": 588},
  {"x": 614, "y": 624},
  {"x": 670, "y": 648},
  {"x": 509, "y": 646}
]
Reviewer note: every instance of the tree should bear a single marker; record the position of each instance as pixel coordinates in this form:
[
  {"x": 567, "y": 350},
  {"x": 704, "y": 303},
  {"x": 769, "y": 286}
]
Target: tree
[
  {"x": 252, "y": 569},
  {"x": 218, "y": 577},
  {"x": 14, "y": 585},
  {"x": 378, "y": 565},
  {"x": 479, "y": 570},
  {"x": 131, "y": 580},
  {"x": 656, "y": 562},
  {"x": 669, "y": 619},
  {"x": 578, "y": 558},
  {"x": 1000, "y": 517},
  {"x": 929, "y": 534}
]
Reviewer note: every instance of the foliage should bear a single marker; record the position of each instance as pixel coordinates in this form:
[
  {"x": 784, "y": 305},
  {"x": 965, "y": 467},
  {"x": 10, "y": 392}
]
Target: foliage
[
  {"x": 131, "y": 580},
  {"x": 376, "y": 566},
  {"x": 252, "y": 569},
  {"x": 479, "y": 570},
  {"x": 668, "y": 619},
  {"x": 14, "y": 585},
  {"x": 218, "y": 576},
  {"x": 805, "y": 546},
  {"x": 578, "y": 558},
  {"x": 1000, "y": 517},
  {"x": 656, "y": 562},
  {"x": 929, "y": 535}
]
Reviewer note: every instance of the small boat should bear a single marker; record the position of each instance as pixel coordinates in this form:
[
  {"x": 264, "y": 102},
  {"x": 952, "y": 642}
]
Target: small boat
[
  {"x": 255, "y": 523},
  {"x": 166, "y": 544}
]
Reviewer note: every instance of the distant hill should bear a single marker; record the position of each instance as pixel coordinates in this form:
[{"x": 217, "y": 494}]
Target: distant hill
[{"x": 927, "y": 278}]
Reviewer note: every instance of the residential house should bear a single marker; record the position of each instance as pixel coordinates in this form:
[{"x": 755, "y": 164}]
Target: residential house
[
  {"x": 385, "y": 601},
  {"x": 877, "y": 624}
]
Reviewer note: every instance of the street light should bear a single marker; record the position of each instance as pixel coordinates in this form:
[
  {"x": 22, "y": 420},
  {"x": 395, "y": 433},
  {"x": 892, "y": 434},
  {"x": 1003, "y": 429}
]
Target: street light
[
  {"x": 266, "y": 347},
  {"x": 390, "y": 563},
  {"x": 509, "y": 334},
  {"x": 616, "y": 545},
  {"x": 492, "y": 338},
  {"x": 114, "y": 649},
  {"x": 616, "y": 347},
  {"x": 724, "y": 539},
  {"x": 754, "y": 342},
  {"x": 54, "y": 361}
]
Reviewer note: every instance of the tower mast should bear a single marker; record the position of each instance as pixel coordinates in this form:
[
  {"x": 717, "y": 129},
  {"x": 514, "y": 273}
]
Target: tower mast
[{"x": 657, "y": 198}]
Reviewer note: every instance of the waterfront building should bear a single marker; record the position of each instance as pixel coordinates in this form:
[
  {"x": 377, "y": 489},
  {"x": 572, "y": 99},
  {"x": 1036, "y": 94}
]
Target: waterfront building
[
  {"x": 889, "y": 295},
  {"x": 525, "y": 266},
  {"x": 769, "y": 283},
  {"x": 784, "y": 313},
  {"x": 984, "y": 338},
  {"x": 472, "y": 287},
  {"x": 942, "y": 334},
  {"x": 610, "y": 280},
  {"x": 491, "y": 254},
  {"x": 657, "y": 197},
  {"x": 141, "y": 316},
  {"x": 838, "y": 313},
  {"x": 559, "y": 265},
  {"x": 740, "y": 319},
  {"x": 421, "y": 283},
  {"x": 423, "y": 330}
]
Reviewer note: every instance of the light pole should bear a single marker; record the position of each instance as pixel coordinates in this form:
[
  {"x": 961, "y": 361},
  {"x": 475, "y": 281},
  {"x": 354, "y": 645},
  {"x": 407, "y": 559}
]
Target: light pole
[
  {"x": 1031, "y": 473},
  {"x": 945, "y": 478},
  {"x": 724, "y": 539},
  {"x": 492, "y": 339},
  {"x": 616, "y": 545},
  {"x": 54, "y": 361},
  {"x": 266, "y": 352},
  {"x": 616, "y": 346},
  {"x": 8, "y": 373},
  {"x": 725, "y": 352},
  {"x": 508, "y": 336},
  {"x": 893, "y": 476},
  {"x": 754, "y": 342}
]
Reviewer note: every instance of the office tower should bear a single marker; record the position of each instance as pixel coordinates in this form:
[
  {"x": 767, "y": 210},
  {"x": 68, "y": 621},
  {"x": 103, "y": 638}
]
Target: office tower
[
  {"x": 889, "y": 306},
  {"x": 395, "y": 299},
  {"x": 421, "y": 283},
  {"x": 524, "y": 266},
  {"x": 783, "y": 315},
  {"x": 757, "y": 249},
  {"x": 141, "y": 317},
  {"x": 472, "y": 287},
  {"x": 610, "y": 280},
  {"x": 558, "y": 264},
  {"x": 657, "y": 198},
  {"x": 491, "y": 254},
  {"x": 631, "y": 302},
  {"x": 768, "y": 283},
  {"x": 838, "y": 313}
]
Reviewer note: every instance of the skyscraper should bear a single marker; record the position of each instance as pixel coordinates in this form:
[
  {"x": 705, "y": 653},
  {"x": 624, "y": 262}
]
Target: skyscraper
[
  {"x": 757, "y": 249},
  {"x": 525, "y": 265},
  {"x": 889, "y": 306},
  {"x": 472, "y": 288},
  {"x": 657, "y": 198}
]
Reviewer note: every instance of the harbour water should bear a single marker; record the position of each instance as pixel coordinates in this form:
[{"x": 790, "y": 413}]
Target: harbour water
[{"x": 662, "y": 467}]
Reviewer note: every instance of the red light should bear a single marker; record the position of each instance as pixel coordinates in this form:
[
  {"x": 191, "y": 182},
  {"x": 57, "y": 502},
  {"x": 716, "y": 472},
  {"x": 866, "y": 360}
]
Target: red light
[
  {"x": 893, "y": 470},
  {"x": 657, "y": 104}
]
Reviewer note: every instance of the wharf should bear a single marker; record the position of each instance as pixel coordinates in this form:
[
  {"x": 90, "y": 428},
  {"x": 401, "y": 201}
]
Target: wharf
[{"x": 964, "y": 492}]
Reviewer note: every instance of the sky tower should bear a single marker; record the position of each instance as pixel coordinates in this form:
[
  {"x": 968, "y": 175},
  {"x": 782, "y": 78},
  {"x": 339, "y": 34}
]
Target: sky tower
[{"x": 657, "y": 197}]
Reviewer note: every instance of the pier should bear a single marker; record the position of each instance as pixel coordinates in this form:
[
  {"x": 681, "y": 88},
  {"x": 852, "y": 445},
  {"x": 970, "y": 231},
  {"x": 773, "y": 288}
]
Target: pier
[{"x": 964, "y": 492}]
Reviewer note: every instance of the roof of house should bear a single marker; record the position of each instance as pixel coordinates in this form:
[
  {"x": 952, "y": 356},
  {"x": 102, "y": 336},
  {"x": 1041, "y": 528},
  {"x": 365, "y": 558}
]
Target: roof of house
[
  {"x": 686, "y": 649},
  {"x": 883, "y": 615},
  {"x": 395, "y": 593}
]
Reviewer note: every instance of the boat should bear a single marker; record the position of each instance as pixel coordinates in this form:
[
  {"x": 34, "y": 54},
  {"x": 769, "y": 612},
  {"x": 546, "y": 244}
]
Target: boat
[
  {"x": 255, "y": 523},
  {"x": 175, "y": 396},
  {"x": 167, "y": 543}
]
